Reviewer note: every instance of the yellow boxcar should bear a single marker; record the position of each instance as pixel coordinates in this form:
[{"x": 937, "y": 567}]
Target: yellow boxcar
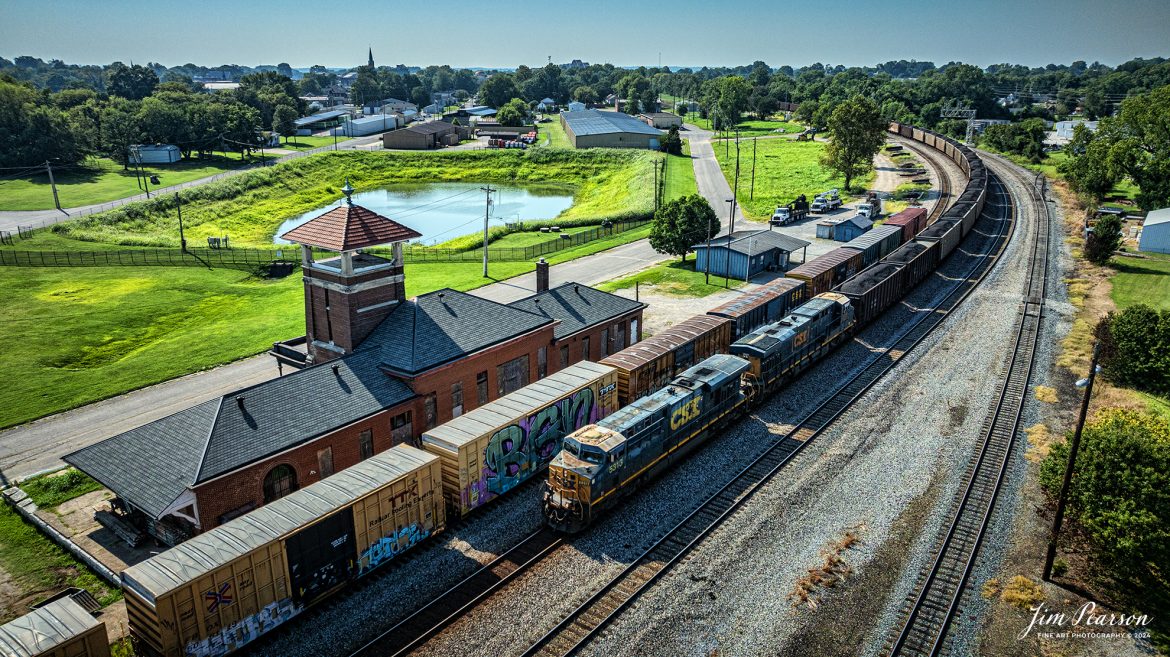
[
  {"x": 223, "y": 589},
  {"x": 494, "y": 448}
]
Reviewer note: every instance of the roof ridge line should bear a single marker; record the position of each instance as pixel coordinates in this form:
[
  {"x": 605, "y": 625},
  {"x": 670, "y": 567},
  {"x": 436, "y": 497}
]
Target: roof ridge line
[{"x": 207, "y": 441}]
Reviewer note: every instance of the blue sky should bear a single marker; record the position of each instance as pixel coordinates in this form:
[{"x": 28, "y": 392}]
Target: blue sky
[{"x": 622, "y": 32}]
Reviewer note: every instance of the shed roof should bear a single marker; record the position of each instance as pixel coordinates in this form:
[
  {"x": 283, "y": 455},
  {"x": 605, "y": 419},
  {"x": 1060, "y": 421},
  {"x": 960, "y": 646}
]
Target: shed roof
[
  {"x": 152, "y": 465},
  {"x": 514, "y": 406},
  {"x": 431, "y": 127},
  {"x": 321, "y": 116},
  {"x": 210, "y": 550},
  {"x": 445, "y": 325},
  {"x": 660, "y": 115},
  {"x": 755, "y": 241},
  {"x": 41, "y": 630},
  {"x": 596, "y": 122},
  {"x": 349, "y": 227},
  {"x": 577, "y": 306},
  {"x": 1156, "y": 217}
]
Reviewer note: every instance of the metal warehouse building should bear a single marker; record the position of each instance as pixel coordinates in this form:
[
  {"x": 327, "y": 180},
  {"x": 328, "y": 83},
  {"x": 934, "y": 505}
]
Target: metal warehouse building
[
  {"x": 746, "y": 253},
  {"x": 598, "y": 129},
  {"x": 1156, "y": 232}
]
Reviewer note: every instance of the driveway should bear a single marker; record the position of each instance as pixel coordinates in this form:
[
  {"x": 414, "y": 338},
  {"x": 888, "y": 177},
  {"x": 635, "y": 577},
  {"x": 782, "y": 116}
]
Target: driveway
[{"x": 713, "y": 184}]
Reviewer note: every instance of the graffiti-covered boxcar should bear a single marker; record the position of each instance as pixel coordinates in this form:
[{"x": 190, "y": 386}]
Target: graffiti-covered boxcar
[
  {"x": 496, "y": 447},
  {"x": 61, "y": 628},
  {"x": 224, "y": 588}
]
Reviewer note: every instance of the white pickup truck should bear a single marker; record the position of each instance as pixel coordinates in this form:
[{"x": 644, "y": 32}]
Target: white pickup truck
[{"x": 825, "y": 203}]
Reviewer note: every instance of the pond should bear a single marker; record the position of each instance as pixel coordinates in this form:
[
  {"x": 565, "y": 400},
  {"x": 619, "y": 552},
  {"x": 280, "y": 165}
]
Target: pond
[{"x": 442, "y": 211}]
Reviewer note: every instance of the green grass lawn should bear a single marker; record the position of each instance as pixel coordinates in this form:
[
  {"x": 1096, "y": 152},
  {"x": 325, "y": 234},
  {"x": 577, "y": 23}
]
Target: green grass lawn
[
  {"x": 606, "y": 183},
  {"x": 38, "y": 567},
  {"x": 1142, "y": 280},
  {"x": 674, "y": 278},
  {"x": 680, "y": 175},
  {"x": 785, "y": 169},
  {"x": 553, "y": 133},
  {"x": 51, "y": 490},
  {"x": 306, "y": 143},
  {"x": 530, "y": 237},
  {"x": 755, "y": 128},
  {"x": 102, "y": 180}
]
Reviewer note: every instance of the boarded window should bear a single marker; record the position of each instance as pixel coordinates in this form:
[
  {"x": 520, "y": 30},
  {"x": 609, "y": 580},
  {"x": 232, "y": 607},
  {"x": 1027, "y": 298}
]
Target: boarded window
[
  {"x": 512, "y": 375},
  {"x": 456, "y": 399},
  {"x": 366, "y": 443},
  {"x": 401, "y": 428},
  {"x": 564, "y": 356},
  {"x": 325, "y": 462},
  {"x": 542, "y": 362},
  {"x": 481, "y": 388},
  {"x": 431, "y": 411},
  {"x": 279, "y": 481},
  {"x": 585, "y": 348},
  {"x": 604, "y": 342},
  {"x": 619, "y": 337}
]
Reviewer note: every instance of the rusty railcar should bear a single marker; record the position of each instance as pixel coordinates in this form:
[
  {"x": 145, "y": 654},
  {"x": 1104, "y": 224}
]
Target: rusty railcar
[
  {"x": 224, "y": 588},
  {"x": 647, "y": 366},
  {"x": 496, "y": 447},
  {"x": 827, "y": 271},
  {"x": 765, "y": 304},
  {"x": 912, "y": 221}
]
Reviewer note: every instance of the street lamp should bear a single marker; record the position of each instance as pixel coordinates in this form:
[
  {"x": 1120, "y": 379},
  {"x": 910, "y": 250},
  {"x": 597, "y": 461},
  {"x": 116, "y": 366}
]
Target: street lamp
[
  {"x": 182, "y": 238},
  {"x": 1058, "y": 519}
]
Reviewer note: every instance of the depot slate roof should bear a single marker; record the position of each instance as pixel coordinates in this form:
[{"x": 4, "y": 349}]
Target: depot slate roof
[
  {"x": 152, "y": 465},
  {"x": 349, "y": 227},
  {"x": 577, "y": 306},
  {"x": 596, "y": 122},
  {"x": 443, "y": 326},
  {"x": 756, "y": 241}
]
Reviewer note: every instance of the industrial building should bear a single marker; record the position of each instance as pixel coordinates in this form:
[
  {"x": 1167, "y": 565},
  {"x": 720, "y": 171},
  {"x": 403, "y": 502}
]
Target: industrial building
[
  {"x": 375, "y": 369},
  {"x": 661, "y": 120},
  {"x": 1156, "y": 232},
  {"x": 598, "y": 129},
  {"x": 370, "y": 125},
  {"x": 307, "y": 125},
  {"x": 424, "y": 136},
  {"x": 745, "y": 253}
]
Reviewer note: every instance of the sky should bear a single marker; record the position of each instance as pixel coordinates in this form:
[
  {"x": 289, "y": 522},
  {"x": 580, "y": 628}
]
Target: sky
[{"x": 506, "y": 33}]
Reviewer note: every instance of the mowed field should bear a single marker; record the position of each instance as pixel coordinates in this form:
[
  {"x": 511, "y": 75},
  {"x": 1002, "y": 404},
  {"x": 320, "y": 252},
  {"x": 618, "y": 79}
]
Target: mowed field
[
  {"x": 1142, "y": 280},
  {"x": 785, "y": 169}
]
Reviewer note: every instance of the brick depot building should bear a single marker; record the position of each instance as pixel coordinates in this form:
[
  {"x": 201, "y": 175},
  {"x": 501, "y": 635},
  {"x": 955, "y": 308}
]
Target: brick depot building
[{"x": 378, "y": 369}]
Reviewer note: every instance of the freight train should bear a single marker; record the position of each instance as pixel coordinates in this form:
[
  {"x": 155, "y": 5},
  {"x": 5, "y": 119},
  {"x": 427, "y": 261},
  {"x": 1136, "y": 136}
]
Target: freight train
[{"x": 620, "y": 421}]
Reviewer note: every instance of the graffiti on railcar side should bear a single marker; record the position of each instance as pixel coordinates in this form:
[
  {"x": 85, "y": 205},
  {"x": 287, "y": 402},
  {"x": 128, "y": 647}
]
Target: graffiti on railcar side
[
  {"x": 244, "y": 631},
  {"x": 390, "y": 546},
  {"x": 515, "y": 452}
]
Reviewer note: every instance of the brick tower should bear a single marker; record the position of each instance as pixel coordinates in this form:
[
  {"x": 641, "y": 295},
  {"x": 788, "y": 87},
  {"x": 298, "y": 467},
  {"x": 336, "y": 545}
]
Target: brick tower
[{"x": 348, "y": 295}]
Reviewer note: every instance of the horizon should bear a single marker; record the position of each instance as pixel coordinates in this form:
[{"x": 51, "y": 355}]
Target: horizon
[{"x": 1039, "y": 33}]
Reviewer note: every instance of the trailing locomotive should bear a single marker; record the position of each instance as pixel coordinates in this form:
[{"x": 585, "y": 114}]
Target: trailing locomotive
[
  {"x": 601, "y": 463},
  {"x": 779, "y": 351}
]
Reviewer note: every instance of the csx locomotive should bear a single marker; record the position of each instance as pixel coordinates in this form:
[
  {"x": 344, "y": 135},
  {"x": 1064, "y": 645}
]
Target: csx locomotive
[{"x": 601, "y": 463}]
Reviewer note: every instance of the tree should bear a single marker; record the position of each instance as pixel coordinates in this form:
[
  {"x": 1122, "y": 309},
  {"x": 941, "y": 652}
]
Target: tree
[
  {"x": 497, "y": 90},
  {"x": 1141, "y": 145},
  {"x": 672, "y": 142},
  {"x": 1024, "y": 138},
  {"x": 1089, "y": 168},
  {"x": 512, "y": 113},
  {"x": 585, "y": 94},
  {"x": 680, "y": 224},
  {"x": 1103, "y": 240},
  {"x": 284, "y": 121},
  {"x": 133, "y": 82},
  {"x": 1120, "y": 489},
  {"x": 1136, "y": 348},
  {"x": 858, "y": 134}
]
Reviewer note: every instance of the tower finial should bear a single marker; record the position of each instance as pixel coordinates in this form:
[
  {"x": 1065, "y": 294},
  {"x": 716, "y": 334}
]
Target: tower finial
[{"x": 348, "y": 191}]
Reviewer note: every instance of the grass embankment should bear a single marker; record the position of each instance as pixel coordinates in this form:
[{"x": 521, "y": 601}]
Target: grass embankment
[
  {"x": 607, "y": 184},
  {"x": 101, "y": 180},
  {"x": 785, "y": 169},
  {"x": 1141, "y": 280},
  {"x": 552, "y": 135},
  {"x": 674, "y": 278}
]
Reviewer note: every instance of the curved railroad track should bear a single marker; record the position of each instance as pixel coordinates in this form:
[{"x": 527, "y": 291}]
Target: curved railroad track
[
  {"x": 586, "y": 621},
  {"x": 943, "y": 166},
  {"x": 929, "y": 614}
]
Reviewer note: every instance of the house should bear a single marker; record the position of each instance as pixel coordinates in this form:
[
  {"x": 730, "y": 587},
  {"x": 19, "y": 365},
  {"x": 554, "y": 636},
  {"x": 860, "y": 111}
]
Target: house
[
  {"x": 424, "y": 136},
  {"x": 377, "y": 369},
  {"x": 850, "y": 228},
  {"x": 745, "y": 253},
  {"x": 661, "y": 120},
  {"x": 396, "y": 105},
  {"x": 595, "y": 128},
  {"x": 1155, "y": 236},
  {"x": 1064, "y": 129},
  {"x": 576, "y": 106},
  {"x": 546, "y": 105},
  {"x": 469, "y": 115},
  {"x": 154, "y": 154}
]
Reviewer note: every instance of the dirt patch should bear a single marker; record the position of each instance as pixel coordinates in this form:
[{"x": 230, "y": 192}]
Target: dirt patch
[
  {"x": 666, "y": 310},
  {"x": 1040, "y": 441},
  {"x": 10, "y": 595}
]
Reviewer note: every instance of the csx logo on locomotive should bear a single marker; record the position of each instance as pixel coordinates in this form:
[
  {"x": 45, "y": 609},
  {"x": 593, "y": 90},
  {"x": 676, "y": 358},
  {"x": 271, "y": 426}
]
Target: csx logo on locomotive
[{"x": 685, "y": 413}]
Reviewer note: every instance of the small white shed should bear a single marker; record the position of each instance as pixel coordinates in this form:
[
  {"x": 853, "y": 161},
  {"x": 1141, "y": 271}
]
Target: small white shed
[
  {"x": 154, "y": 154},
  {"x": 1156, "y": 232}
]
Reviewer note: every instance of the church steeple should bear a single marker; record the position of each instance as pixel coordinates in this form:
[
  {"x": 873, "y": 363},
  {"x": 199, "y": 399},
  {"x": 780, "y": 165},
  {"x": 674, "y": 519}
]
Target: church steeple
[{"x": 371, "y": 57}]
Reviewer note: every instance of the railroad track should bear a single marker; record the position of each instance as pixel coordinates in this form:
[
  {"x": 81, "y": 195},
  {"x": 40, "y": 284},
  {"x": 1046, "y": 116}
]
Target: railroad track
[
  {"x": 943, "y": 167},
  {"x": 587, "y": 620},
  {"x": 929, "y": 615}
]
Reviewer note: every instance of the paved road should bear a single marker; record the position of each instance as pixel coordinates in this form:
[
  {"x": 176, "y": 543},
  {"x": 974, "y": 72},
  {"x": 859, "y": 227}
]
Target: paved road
[
  {"x": 713, "y": 184},
  {"x": 38, "y": 446},
  {"x": 10, "y": 219}
]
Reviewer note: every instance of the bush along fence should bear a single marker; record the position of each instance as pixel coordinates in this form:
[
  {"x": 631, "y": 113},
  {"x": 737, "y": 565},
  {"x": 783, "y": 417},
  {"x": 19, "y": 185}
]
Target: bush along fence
[{"x": 252, "y": 259}]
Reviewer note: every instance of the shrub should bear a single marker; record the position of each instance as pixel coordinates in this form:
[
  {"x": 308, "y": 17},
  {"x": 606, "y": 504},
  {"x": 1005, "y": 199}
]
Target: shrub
[
  {"x": 1135, "y": 348},
  {"x": 1103, "y": 240}
]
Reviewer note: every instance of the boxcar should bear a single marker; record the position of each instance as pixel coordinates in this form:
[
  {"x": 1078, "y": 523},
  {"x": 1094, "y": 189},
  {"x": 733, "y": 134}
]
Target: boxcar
[
  {"x": 919, "y": 259},
  {"x": 496, "y": 447},
  {"x": 224, "y": 588},
  {"x": 874, "y": 290},
  {"x": 947, "y": 233},
  {"x": 61, "y": 628},
  {"x": 826, "y": 272},
  {"x": 912, "y": 221},
  {"x": 653, "y": 362},
  {"x": 876, "y": 244},
  {"x": 764, "y": 304}
]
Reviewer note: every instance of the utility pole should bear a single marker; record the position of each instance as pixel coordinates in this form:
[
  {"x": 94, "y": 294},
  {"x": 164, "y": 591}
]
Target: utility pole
[
  {"x": 656, "y": 187},
  {"x": 1058, "y": 519},
  {"x": 53, "y": 184},
  {"x": 182, "y": 239},
  {"x": 487, "y": 210}
]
